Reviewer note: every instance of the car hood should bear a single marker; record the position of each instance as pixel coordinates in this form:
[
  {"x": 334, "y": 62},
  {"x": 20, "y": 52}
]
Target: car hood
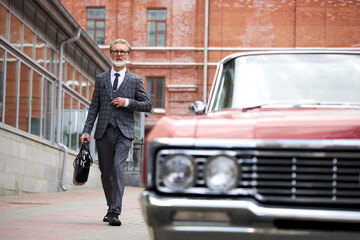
[{"x": 297, "y": 123}]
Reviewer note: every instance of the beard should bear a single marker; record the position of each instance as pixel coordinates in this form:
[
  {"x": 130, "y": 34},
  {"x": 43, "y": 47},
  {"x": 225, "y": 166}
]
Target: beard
[{"x": 119, "y": 63}]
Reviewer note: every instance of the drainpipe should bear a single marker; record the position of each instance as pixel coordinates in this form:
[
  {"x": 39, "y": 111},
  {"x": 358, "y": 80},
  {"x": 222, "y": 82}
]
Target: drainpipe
[
  {"x": 206, "y": 30},
  {"x": 59, "y": 101}
]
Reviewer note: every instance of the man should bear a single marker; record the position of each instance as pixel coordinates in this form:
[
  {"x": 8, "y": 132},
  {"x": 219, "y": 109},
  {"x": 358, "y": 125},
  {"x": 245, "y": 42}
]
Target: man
[{"x": 117, "y": 94}]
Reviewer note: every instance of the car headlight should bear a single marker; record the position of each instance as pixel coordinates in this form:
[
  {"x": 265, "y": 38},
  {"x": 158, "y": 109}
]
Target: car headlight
[
  {"x": 221, "y": 173},
  {"x": 179, "y": 172}
]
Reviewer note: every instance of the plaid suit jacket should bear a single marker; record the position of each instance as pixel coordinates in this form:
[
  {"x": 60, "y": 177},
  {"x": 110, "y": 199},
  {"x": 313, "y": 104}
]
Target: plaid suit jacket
[{"x": 132, "y": 89}]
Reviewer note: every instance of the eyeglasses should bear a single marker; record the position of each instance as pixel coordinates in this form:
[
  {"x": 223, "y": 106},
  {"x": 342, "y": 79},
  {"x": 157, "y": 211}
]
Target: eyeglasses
[{"x": 121, "y": 52}]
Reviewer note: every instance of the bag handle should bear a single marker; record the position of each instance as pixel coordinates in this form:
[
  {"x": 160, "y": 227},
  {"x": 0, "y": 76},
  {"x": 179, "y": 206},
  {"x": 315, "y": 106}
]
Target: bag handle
[{"x": 85, "y": 145}]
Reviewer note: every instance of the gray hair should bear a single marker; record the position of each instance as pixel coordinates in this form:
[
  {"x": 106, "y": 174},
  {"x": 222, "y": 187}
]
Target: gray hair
[{"x": 121, "y": 41}]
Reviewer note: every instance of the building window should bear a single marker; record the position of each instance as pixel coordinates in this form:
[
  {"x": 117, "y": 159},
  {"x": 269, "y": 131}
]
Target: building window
[
  {"x": 15, "y": 31},
  {"x": 10, "y": 90},
  {"x": 28, "y": 42},
  {"x": 47, "y": 109},
  {"x": 95, "y": 24},
  {"x": 1, "y": 84},
  {"x": 40, "y": 50},
  {"x": 36, "y": 112},
  {"x": 3, "y": 22},
  {"x": 156, "y": 27},
  {"x": 155, "y": 90},
  {"x": 24, "y": 97}
]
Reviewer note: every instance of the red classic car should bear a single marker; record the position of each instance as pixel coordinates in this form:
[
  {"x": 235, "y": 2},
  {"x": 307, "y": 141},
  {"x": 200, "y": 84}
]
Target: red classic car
[{"x": 275, "y": 154}]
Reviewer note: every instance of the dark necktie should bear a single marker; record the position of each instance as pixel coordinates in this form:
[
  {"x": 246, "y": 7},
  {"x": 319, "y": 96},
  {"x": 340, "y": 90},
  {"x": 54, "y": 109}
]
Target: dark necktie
[{"x": 116, "y": 82}]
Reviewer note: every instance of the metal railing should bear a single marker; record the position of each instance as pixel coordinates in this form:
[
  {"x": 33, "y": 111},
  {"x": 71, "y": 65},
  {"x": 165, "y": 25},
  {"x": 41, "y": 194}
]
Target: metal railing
[{"x": 133, "y": 164}]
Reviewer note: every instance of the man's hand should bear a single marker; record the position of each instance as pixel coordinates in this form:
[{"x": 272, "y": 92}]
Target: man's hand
[
  {"x": 118, "y": 102},
  {"x": 85, "y": 136}
]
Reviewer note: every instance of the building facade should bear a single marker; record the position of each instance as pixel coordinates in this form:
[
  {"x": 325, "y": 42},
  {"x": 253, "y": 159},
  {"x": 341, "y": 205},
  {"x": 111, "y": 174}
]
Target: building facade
[
  {"x": 48, "y": 66},
  {"x": 176, "y": 44}
]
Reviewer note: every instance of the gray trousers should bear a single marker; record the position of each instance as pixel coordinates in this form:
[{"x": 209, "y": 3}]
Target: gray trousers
[{"x": 113, "y": 149}]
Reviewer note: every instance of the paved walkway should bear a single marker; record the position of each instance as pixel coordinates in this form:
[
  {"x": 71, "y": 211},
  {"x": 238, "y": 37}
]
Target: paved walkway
[{"x": 70, "y": 215}]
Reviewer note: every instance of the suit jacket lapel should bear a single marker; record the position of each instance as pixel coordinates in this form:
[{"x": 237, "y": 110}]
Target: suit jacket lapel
[
  {"x": 108, "y": 84},
  {"x": 123, "y": 84}
]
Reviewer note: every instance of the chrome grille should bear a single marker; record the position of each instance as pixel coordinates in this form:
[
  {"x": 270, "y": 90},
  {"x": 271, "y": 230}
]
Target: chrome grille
[
  {"x": 315, "y": 177},
  {"x": 281, "y": 176}
]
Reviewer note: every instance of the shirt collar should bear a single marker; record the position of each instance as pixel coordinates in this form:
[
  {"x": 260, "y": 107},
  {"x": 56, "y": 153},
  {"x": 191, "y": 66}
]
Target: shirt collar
[{"x": 122, "y": 72}]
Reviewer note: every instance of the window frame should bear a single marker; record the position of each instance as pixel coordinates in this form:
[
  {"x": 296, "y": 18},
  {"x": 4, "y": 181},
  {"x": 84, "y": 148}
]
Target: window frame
[
  {"x": 156, "y": 21},
  {"x": 150, "y": 82},
  {"x": 95, "y": 23}
]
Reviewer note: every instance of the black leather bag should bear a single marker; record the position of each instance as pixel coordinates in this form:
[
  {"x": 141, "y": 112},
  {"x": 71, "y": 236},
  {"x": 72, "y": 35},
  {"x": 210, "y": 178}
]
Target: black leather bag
[{"x": 82, "y": 164}]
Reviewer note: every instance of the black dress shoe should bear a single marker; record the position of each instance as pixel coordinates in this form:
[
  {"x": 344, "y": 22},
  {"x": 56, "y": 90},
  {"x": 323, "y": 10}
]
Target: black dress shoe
[
  {"x": 114, "y": 220},
  {"x": 106, "y": 218}
]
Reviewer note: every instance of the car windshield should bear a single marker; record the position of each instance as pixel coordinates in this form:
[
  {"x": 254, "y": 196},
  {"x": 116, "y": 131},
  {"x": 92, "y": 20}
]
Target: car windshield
[{"x": 258, "y": 80}]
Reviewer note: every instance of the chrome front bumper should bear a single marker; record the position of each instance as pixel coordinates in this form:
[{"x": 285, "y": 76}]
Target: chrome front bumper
[{"x": 200, "y": 218}]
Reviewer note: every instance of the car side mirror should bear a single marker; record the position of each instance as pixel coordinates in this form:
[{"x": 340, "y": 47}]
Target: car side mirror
[{"x": 197, "y": 108}]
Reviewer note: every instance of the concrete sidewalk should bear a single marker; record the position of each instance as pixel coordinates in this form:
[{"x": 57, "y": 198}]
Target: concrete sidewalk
[{"x": 70, "y": 215}]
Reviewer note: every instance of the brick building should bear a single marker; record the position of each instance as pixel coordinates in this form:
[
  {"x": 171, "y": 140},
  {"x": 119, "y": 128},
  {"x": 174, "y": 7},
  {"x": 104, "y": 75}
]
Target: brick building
[{"x": 174, "y": 41}]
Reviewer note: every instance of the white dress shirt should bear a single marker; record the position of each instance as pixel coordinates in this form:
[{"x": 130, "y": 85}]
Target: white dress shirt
[{"x": 120, "y": 80}]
